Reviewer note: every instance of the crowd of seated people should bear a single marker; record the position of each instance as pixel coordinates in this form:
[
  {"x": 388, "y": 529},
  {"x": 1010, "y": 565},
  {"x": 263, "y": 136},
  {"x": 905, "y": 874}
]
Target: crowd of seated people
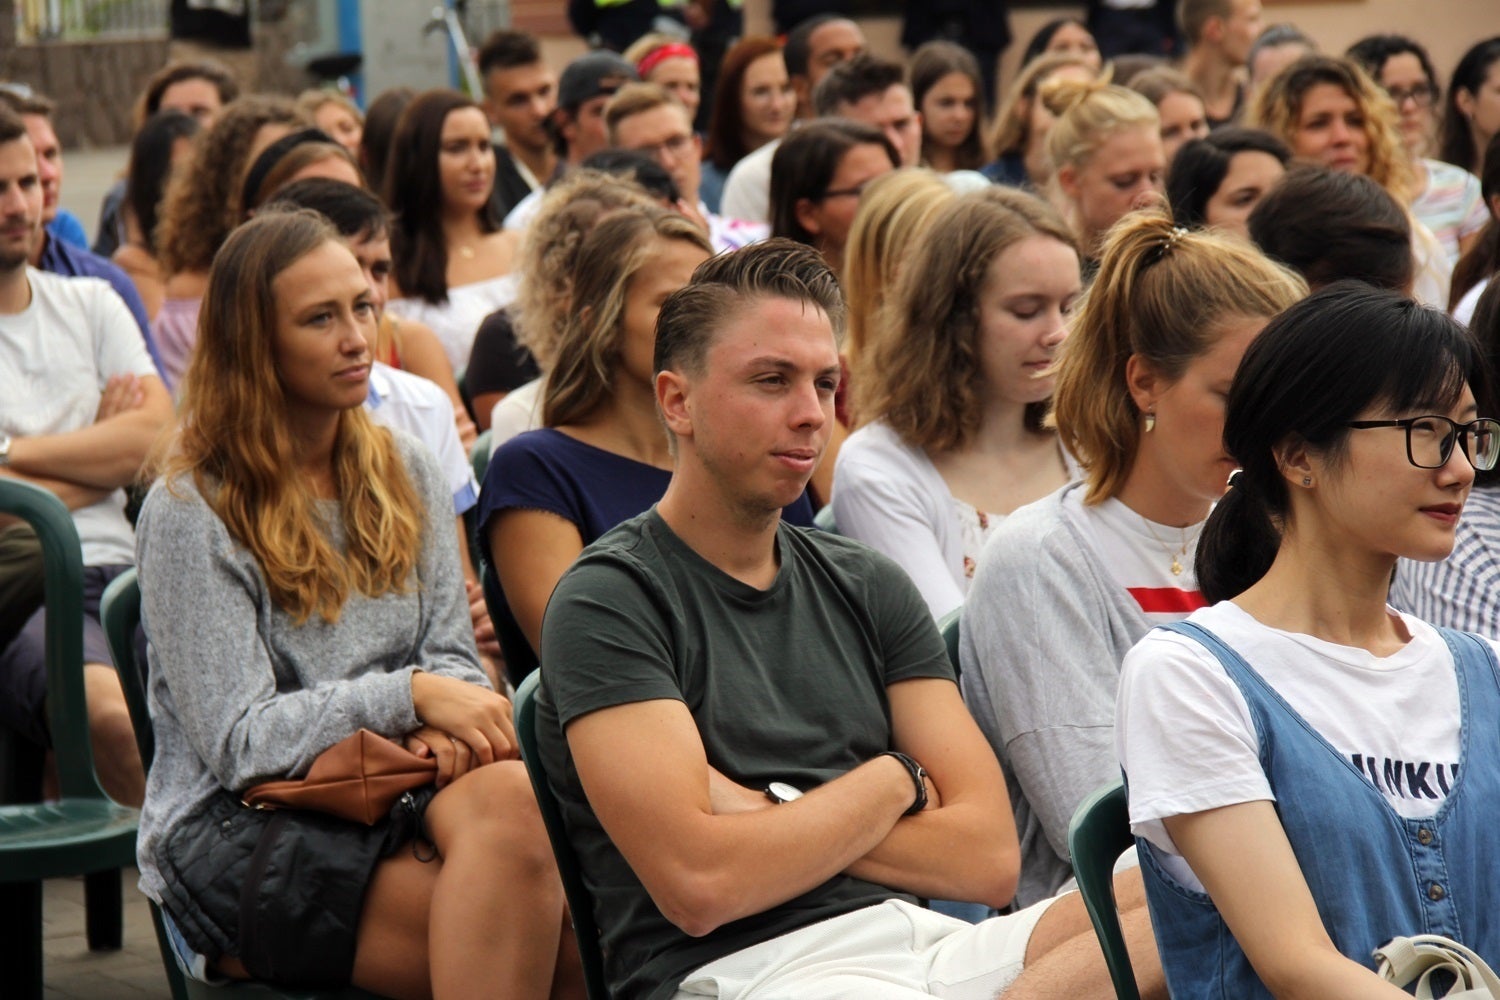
[{"x": 1175, "y": 383}]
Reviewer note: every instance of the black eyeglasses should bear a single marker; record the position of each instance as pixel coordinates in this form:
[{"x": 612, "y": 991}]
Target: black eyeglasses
[
  {"x": 850, "y": 192},
  {"x": 1423, "y": 94},
  {"x": 1430, "y": 439}
]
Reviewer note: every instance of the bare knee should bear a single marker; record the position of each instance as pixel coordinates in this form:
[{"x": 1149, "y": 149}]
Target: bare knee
[{"x": 491, "y": 808}]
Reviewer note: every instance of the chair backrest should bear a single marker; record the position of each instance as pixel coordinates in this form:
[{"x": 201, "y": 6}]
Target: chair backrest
[
  {"x": 824, "y": 519},
  {"x": 62, "y": 557},
  {"x": 120, "y": 614},
  {"x": 1097, "y": 836},
  {"x": 948, "y": 626},
  {"x": 580, "y": 900},
  {"x": 479, "y": 455}
]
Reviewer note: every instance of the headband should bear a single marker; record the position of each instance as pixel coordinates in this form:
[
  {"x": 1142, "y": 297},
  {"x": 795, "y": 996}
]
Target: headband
[
  {"x": 272, "y": 155},
  {"x": 673, "y": 50}
]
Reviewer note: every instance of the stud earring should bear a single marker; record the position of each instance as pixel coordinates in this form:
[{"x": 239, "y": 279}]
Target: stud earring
[
  {"x": 1307, "y": 480},
  {"x": 1150, "y": 421}
]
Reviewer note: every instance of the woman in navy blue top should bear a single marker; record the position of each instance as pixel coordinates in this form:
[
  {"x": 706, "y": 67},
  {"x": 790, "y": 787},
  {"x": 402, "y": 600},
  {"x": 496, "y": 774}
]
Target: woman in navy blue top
[{"x": 602, "y": 455}]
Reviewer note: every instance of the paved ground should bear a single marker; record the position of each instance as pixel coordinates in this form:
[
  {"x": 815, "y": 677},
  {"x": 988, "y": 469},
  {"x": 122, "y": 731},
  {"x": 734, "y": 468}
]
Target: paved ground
[
  {"x": 74, "y": 973},
  {"x": 86, "y": 176}
]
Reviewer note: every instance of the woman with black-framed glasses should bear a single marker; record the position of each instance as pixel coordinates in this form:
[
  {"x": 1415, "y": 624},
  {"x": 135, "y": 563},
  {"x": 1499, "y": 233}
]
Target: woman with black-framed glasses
[
  {"x": 1311, "y": 772},
  {"x": 1446, "y": 198}
]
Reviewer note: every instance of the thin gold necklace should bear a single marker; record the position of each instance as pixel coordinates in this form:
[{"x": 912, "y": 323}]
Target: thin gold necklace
[{"x": 1176, "y": 557}]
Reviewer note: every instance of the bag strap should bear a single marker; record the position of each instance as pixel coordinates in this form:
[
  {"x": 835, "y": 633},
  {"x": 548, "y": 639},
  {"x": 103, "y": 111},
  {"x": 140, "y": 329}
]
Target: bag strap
[{"x": 1403, "y": 960}]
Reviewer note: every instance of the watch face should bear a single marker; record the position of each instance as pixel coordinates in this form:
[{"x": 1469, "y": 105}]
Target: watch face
[{"x": 780, "y": 791}]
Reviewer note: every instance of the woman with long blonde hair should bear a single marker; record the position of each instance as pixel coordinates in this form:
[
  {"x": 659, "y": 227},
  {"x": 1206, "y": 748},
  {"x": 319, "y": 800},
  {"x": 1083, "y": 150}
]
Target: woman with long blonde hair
[
  {"x": 600, "y": 456},
  {"x": 299, "y": 581},
  {"x": 1068, "y": 584},
  {"x": 894, "y": 212}
]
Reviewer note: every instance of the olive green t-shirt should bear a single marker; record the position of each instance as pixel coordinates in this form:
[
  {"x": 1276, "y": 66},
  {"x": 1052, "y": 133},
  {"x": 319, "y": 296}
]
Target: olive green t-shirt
[{"x": 786, "y": 684}]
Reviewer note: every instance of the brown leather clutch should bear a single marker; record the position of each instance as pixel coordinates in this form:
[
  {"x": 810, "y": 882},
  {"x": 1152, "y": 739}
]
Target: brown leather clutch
[{"x": 359, "y": 778}]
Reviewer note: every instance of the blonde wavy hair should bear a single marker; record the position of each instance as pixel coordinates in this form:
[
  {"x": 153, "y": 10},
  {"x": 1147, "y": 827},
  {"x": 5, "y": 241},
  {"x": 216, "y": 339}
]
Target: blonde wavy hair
[
  {"x": 1165, "y": 294},
  {"x": 235, "y": 441},
  {"x": 894, "y": 211},
  {"x": 923, "y": 377},
  {"x": 1278, "y": 105},
  {"x": 549, "y": 252},
  {"x": 589, "y": 348}
]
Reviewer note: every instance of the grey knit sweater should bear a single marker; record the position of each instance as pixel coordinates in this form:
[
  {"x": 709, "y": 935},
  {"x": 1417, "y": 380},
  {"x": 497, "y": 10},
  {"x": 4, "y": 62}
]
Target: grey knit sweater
[
  {"x": 239, "y": 693},
  {"x": 1044, "y": 630}
]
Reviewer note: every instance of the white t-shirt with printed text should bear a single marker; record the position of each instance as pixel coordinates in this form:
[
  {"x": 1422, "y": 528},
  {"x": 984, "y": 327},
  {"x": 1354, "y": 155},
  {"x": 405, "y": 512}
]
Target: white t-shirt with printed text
[{"x": 1186, "y": 739}]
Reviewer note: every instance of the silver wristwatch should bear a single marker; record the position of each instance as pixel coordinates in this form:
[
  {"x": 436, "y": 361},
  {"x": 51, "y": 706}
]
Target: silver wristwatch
[{"x": 780, "y": 792}]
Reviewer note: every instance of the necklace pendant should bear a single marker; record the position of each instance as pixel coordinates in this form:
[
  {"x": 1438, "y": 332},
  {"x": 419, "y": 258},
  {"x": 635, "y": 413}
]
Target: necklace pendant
[{"x": 1176, "y": 567}]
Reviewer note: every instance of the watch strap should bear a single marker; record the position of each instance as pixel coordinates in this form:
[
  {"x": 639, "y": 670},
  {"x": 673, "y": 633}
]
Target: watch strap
[{"x": 918, "y": 777}]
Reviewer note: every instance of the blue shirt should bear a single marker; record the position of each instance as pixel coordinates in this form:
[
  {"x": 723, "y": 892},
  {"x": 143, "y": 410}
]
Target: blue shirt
[
  {"x": 72, "y": 261},
  {"x": 592, "y": 488},
  {"x": 67, "y": 227}
]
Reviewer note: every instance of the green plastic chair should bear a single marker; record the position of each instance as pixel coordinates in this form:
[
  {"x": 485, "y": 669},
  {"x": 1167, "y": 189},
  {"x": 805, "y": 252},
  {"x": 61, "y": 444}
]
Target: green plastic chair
[
  {"x": 84, "y": 832},
  {"x": 120, "y": 612},
  {"x": 948, "y": 626},
  {"x": 824, "y": 519},
  {"x": 1097, "y": 836},
  {"x": 479, "y": 455},
  {"x": 479, "y": 459},
  {"x": 580, "y": 900}
]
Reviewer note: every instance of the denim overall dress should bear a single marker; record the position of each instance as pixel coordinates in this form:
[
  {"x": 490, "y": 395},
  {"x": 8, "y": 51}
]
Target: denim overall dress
[{"x": 1373, "y": 874}]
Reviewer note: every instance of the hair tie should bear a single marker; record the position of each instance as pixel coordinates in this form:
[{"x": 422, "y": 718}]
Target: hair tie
[
  {"x": 673, "y": 50},
  {"x": 1177, "y": 233}
]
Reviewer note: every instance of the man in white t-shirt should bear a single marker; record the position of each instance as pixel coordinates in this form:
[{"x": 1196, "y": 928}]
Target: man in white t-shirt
[{"x": 80, "y": 405}]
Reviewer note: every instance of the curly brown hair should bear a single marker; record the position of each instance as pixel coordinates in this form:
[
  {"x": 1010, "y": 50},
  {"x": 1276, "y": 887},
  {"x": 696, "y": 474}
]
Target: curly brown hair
[
  {"x": 1278, "y": 106},
  {"x": 201, "y": 205}
]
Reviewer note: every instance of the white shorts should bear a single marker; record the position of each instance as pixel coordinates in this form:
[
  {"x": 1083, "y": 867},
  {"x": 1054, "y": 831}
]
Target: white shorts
[{"x": 890, "y": 950}]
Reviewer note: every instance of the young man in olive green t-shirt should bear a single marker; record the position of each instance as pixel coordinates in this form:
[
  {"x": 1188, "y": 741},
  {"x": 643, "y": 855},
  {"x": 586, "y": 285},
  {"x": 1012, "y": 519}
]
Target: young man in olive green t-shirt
[{"x": 759, "y": 747}]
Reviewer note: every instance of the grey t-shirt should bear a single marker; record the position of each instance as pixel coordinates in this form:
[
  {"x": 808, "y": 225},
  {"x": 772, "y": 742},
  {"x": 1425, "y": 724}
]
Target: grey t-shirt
[{"x": 786, "y": 684}]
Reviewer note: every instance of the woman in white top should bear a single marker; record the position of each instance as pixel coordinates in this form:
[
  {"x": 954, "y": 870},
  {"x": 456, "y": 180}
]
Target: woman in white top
[
  {"x": 1068, "y": 584},
  {"x": 1312, "y": 773},
  {"x": 452, "y": 258},
  {"x": 957, "y": 390}
]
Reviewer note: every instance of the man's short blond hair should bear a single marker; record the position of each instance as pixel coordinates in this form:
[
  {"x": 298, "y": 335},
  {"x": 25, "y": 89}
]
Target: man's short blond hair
[{"x": 636, "y": 99}]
